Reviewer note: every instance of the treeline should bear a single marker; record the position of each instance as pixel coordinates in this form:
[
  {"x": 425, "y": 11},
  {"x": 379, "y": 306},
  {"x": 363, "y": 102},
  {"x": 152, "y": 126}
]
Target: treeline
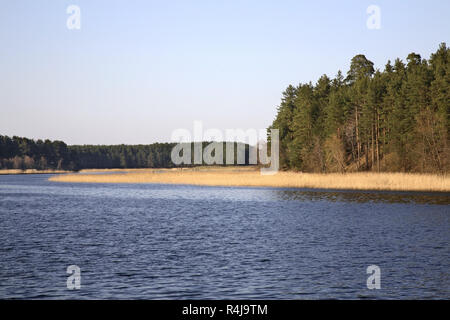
[
  {"x": 155, "y": 155},
  {"x": 23, "y": 153},
  {"x": 397, "y": 119}
]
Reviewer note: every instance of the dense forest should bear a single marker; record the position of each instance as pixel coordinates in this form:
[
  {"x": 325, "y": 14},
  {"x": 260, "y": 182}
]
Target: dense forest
[
  {"x": 23, "y": 153},
  {"x": 371, "y": 120}
]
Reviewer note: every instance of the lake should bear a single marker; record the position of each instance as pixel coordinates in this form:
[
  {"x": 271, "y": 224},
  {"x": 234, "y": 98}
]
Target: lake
[{"x": 144, "y": 241}]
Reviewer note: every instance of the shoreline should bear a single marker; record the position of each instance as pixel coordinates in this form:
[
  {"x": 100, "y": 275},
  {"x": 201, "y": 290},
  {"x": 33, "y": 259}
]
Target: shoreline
[
  {"x": 251, "y": 177},
  {"x": 31, "y": 171}
]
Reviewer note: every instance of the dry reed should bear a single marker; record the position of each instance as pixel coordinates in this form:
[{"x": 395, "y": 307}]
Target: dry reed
[{"x": 252, "y": 178}]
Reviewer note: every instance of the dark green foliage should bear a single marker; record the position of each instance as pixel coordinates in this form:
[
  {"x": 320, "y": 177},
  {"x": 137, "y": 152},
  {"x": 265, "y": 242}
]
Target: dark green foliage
[
  {"x": 394, "y": 120},
  {"x": 23, "y": 153}
]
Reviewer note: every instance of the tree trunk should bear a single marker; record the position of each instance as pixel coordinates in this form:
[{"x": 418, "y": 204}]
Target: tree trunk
[
  {"x": 377, "y": 141},
  {"x": 367, "y": 153},
  {"x": 358, "y": 144},
  {"x": 373, "y": 147}
]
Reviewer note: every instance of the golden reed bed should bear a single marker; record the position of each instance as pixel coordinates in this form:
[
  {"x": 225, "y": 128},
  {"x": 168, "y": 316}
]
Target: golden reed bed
[{"x": 252, "y": 178}]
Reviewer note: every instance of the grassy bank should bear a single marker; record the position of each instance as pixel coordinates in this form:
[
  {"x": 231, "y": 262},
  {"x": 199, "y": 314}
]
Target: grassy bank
[
  {"x": 30, "y": 171},
  {"x": 238, "y": 176}
]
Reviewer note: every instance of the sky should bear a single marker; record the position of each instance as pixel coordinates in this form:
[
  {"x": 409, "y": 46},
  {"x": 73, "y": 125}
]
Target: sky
[{"x": 136, "y": 71}]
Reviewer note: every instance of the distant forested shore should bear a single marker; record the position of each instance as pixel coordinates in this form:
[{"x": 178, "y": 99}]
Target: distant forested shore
[
  {"x": 23, "y": 153},
  {"x": 397, "y": 119}
]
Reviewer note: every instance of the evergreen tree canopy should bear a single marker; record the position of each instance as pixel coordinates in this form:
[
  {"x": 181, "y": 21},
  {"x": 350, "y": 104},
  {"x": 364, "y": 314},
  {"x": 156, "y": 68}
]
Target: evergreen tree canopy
[{"x": 397, "y": 119}]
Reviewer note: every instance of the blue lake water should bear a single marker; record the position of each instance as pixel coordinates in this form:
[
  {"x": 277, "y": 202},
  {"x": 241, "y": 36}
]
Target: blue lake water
[{"x": 144, "y": 241}]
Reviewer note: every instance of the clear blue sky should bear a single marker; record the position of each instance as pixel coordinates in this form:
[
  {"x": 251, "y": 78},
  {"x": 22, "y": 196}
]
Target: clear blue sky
[{"x": 137, "y": 70}]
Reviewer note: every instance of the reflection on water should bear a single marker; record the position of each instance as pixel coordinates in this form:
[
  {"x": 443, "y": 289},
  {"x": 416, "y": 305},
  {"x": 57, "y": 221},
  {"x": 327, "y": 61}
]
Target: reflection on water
[
  {"x": 366, "y": 196},
  {"x": 191, "y": 242}
]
